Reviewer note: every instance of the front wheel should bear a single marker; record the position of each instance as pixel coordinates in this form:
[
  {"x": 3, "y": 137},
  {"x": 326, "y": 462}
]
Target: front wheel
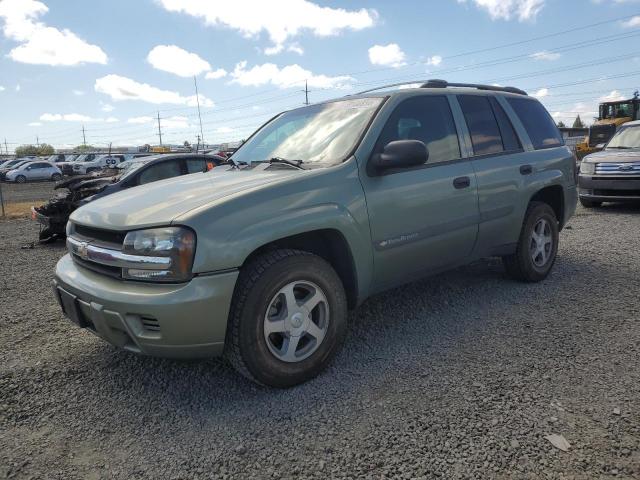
[
  {"x": 589, "y": 203},
  {"x": 537, "y": 247},
  {"x": 287, "y": 320},
  {"x": 21, "y": 179},
  {"x": 56, "y": 177}
]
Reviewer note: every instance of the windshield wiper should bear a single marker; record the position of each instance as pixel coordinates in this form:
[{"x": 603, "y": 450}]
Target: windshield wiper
[
  {"x": 292, "y": 163},
  {"x": 621, "y": 148}
]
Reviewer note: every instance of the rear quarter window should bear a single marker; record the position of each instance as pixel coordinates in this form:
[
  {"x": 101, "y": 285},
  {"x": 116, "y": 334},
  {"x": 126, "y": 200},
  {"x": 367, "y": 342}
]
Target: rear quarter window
[{"x": 537, "y": 122}]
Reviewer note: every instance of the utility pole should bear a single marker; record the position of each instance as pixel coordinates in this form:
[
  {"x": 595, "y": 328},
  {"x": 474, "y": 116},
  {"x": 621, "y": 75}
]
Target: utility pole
[
  {"x": 306, "y": 93},
  {"x": 198, "y": 102},
  {"x": 84, "y": 137},
  {"x": 37, "y": 142},
  {"x": 198, "y": 144},
  {"x": 159, "y": 129},
  {"x": 6, "y": 148}
]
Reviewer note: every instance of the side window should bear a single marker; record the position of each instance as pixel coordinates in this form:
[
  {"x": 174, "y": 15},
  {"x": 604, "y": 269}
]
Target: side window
[
  {"x": 427, "y": 118},
  {"x": 195, "y": 165},
  {"x": 537, "y": 122},
  {"x": 482, "y": 124},
  {"x": 160, "y": 171},
  {"x": 510, "y": 140}
]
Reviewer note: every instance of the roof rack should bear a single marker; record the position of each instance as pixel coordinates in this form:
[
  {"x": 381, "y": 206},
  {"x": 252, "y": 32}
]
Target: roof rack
[{"x": 435, "y": 83}]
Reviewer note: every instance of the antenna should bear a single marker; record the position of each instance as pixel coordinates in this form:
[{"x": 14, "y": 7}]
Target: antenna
[
  {"x": 198, "y": 102},
  {"x": 159, "y": 129}
]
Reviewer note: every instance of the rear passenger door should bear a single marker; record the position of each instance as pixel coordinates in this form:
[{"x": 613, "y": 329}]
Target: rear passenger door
[
  {"x": 160, "y": 171},
  {"x": 500, "y": 164},
  {"x": 422, "y": 218}
]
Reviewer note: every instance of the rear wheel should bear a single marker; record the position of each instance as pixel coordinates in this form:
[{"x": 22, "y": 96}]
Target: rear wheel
[
  {"x": 287, "y": 320},
  {"x": 56, "y": 177},
  {"x": 589, "y": 203},
  {"x": 21, "y": 179},
  {"x": 537, "y": 247}
]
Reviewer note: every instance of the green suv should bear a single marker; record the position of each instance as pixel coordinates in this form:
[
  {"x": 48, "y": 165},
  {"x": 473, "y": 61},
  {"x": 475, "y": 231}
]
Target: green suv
[{"x": 324, "y": 206}]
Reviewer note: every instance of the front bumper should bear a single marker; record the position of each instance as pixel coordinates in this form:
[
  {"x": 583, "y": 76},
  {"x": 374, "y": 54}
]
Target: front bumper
[
  {"x": 179, "y": 321},
  {"x": 603, "y": 189}
]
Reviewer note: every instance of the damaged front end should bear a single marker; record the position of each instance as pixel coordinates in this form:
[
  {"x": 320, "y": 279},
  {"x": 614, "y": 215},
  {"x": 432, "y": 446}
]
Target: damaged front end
[{"x": 53, "y": 215}]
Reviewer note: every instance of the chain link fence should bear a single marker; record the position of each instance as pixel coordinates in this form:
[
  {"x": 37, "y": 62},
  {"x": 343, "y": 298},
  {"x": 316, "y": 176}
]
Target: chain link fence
[{"x": 16, "y": 199}]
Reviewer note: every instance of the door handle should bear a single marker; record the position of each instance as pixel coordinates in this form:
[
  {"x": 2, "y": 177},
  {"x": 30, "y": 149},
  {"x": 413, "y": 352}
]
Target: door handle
[
  {"x": 461, "y": 182},
  {"x": 526, "y": 170}
]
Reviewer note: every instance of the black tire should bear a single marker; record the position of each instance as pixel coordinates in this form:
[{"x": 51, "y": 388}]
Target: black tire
[
  {"x": 521, "y": 265},
  {"x": 589, "y": 203},
  {"x": 259, "y": 283},
  {"x": 56, "y": 177},
  {"x": 21, "y": 179}
]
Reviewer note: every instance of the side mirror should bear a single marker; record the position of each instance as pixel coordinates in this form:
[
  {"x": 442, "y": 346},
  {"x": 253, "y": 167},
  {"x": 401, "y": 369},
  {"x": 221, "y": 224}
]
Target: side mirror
[{"x": 401, "y": 154}]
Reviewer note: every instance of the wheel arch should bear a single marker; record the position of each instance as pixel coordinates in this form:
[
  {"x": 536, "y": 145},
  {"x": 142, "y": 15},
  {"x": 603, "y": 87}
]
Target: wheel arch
[
  {"x": 329, "y": 244},
  {"x": 552, "y": 195}
]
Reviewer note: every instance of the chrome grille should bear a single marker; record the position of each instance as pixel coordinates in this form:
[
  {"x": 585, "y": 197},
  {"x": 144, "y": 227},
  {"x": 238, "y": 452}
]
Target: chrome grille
[{"x": 613, "y": 168}]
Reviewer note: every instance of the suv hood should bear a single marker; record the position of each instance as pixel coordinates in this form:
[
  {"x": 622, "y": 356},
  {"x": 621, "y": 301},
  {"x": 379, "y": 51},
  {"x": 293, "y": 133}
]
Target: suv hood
[
  {"x": 616, "y": 156},
  {"x": 158, "y": 203}
]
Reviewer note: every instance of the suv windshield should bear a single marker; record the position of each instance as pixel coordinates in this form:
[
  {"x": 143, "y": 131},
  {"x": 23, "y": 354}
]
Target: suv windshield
[
  {"x": 628, "y": 137},
  {"x": 318, "y": 135}
]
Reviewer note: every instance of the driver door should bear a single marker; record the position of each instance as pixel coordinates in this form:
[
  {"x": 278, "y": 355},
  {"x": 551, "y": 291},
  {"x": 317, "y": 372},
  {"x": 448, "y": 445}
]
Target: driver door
[{"x": 422, "y": 218}]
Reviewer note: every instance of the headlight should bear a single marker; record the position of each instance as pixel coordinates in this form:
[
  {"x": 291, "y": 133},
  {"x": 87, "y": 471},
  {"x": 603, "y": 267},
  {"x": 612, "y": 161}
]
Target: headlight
[
  {"x": 175, "y": 243},
  {"x": 587, "y": 168}
]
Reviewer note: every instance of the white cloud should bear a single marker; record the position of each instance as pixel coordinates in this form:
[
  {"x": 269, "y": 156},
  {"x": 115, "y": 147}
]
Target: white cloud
[
  {"x": 18, "y": 87},
  {"x": 224, "y": 130},
  {"x": 387, "y": 55},
  {"x": 175, "y": 122},
  {"x": 41, "y": 44},
  {"x": 614, "y": 96},
  {"x": 278, "y": 48},
  {"x": 78, "y": 93},
  {"x": 173, "y": 59},
  {"x": 285, "y": 20},
  {"x": 507, "y": 9},
  {"x": 107, "y": 108},
  {"x": 144, "y": 119},
  {"x": 434, "y": 61},
  {"x": 285, "y": 77},
  {"x": 123, "y": 88},
  {"x": 66, "y": 117},
  {"x": 585, "y": 111},
  {"x": 544, "y": 55},
  {"x": 2, "y": 89},
  {"x": 633, "y": 22},
  {"x": 111, "y": 120},
  {"x": 35, "y": 124},
  {"x": 215, "y": 74},
  {"x": 543, "y": 92}
]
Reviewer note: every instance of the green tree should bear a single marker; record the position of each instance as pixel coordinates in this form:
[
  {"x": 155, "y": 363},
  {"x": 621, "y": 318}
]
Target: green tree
[
  {"x": 561, "y": 124},
  {"x": 29, "y": 150},
  {"x": 577, "y": 123},
  {"x": 84, "y": 148}
]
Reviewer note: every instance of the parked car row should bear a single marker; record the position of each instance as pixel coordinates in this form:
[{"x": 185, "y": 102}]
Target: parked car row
[
  {"x": 22, "y": 170},
  {"x": 139, "y": 170}
]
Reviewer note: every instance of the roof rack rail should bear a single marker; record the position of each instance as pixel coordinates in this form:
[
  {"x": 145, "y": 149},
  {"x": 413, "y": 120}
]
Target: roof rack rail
[
  {"x": 435, "y": 83},
  {"x": 494, "y": 88}
]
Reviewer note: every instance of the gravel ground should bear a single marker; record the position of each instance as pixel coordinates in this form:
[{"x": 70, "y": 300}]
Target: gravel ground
[
  {"x": 458, "y": 376},
  {"x": 27, "y": 192}
]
